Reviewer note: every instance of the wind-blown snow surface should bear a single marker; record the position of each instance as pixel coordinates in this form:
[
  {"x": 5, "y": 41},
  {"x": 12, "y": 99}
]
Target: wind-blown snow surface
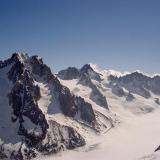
[{"x": 135, "y": 137}]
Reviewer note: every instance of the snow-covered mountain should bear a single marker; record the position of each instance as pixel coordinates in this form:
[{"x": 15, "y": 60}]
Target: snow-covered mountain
[
  {"x": 38, "y": 114},
  {"x": 132, "y": 97},
  {"x": 43, "y": 113},
  {"x": 99, "y": 86}
]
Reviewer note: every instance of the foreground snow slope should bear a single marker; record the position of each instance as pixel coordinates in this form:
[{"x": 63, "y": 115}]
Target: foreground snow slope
[{"x": 135, "y": 137}]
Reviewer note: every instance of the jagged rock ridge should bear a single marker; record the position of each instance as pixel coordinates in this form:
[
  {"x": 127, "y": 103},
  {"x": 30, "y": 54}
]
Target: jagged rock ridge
[
  {"x": 85, "y": 76},
  {"x": 138, "y": 83}
]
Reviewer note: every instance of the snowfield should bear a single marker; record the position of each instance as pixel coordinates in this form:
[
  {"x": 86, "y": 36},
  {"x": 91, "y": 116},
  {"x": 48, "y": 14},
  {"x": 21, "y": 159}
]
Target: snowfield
[{"x": 132, "y": 139}]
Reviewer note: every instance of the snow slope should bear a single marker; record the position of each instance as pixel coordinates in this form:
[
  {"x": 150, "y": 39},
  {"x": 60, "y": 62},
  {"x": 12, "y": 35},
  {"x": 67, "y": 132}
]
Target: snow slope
[{"x": 133, "y": 138}]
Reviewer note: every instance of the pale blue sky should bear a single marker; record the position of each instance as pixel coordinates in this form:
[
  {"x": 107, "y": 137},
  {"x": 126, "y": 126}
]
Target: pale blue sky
[{"x": 115, "y": 34}]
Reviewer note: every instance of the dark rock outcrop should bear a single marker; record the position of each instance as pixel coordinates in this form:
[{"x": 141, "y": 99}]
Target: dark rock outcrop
[
  {"x": 138, "y": 83},
  {"x": 23, "y": 99},
  {"x": 157, "y": 101},
  {"x": 69, "y": 74},
  {"x": 88, "y": 70},
  {"x": 157, "y": 149},
  {"x": 85, "y": 75},
  {"x": 130, "y": 97},
  {"x": 118, "y": 91},
  {"x": 74, "y": 73},
  {"x": 86, "y": 111},
  {"x": 96, "y": 96}
]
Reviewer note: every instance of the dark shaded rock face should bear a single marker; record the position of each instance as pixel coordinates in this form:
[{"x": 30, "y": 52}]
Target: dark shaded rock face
[
  {"x": 98, "y": 97},
  {"x": 71, "y": 105},
  {"x": 157, "y": 101},
  {"x": 157, "y": 149},
  {"x": 74, "y": 138},
  {"x": 130, "y": 97},
  {"x": 88, "y": 70},
  {"x": 56, "y": 140},
  {"x": 118, "y": 91},
  {"x": 85, "y": 80},
  {"x": 86, "y": 111},
  {"x": 154, "y": 85},
  {"x": 85, "y": 75},
  {"x": 42, "y": 70},
  {"x": 23, "y": 98},
  {"x": 74, "y": 73},
  {"x": 138, "y": 83},
  {"x": 67, "y": 102},
  {"x": 69, "y": 74}
]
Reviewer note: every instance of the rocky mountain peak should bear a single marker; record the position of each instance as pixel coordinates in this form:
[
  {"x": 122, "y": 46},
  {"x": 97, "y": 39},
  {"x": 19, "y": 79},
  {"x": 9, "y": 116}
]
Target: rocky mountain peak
[
  {"x": 69, "y": 74},
  {"x": 138, "y": 83},
  {"x": 88, "y": 70},
  {"x": 74, "y": 73}
]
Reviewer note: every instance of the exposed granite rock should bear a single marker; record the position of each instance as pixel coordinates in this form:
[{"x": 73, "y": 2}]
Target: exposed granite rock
[
  {"x": 2, "y": 152},
  {"x": 69, "y": 74},
  {"x": 74, "y": 138},
  {"x": 154, "y": 85},
  {"x": 23, "y": 100},
  {"x": 85, "y": 75},
  {"x": 85, "y": 80},
  {"x": 86, "y": 111},
  {"x": 157, "y": 101},
  {"x": 96, "y": 96},
  {"x": 67, "y": 103},
  {"x": 137, "y": 83},
  {"x": 157, "y": 149},
  {"x": 60, "y": 137},
  {"x": 74, "y": 73},
  {"x": 130, "y": 97},
  {"x": 118, "y": 91},
  {"x": 88, "y": 70},
  {"x": 40, "y": 69}
]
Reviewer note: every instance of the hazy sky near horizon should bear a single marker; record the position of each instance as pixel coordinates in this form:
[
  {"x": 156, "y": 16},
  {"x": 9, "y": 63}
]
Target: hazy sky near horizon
[{"x": 115, "y": 34}]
